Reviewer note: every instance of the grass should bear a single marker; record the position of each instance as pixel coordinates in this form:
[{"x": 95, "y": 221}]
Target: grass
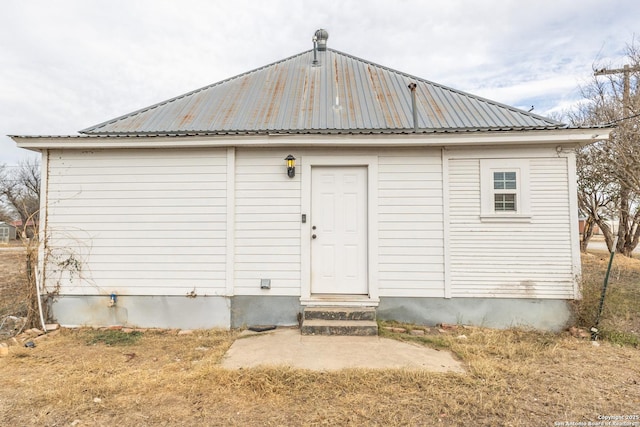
[
  {"x": 514, "y": 377},
  {"x": 620, "y": 321},
  {"x": 112, "y": 337},
  {"x": 621, "y": 337},
  {"x": 13, "y": 279},
  {"x": 433, "y": 340}
]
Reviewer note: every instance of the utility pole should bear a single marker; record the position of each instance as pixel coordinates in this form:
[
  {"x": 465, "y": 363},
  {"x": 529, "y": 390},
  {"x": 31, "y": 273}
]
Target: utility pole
[{"x": 626, "y": 72}]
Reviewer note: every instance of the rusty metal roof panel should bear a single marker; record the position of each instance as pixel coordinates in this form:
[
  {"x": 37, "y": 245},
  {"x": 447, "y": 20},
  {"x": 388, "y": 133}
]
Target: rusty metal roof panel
[{"x": 340, "y": 94}]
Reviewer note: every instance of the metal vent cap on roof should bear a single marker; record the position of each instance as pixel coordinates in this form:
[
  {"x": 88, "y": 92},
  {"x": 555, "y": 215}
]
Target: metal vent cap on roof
[{"x": 321, "y": 37}]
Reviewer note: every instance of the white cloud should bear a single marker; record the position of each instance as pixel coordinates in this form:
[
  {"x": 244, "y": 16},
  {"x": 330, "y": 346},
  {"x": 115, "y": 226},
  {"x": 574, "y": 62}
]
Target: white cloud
[{"x": 69, "y": 64}]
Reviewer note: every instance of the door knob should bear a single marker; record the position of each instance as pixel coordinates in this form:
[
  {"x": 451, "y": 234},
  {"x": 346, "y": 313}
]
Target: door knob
[
  {"x": 313, "y": 228},
  {"x": 313, "y": 236}
]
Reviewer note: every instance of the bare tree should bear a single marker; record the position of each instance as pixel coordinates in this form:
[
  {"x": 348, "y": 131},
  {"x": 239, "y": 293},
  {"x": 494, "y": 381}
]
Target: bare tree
[
  {"x": 598, "y": 189},
  {"x": 20, "y": 200},
  {"x": 598, "y": 194},
  {"x": 6, "y": 214},
  {"x": 20, "y": 194},
  {"x": 609, "y": 171},
  {"x": 625, "y": 151}
]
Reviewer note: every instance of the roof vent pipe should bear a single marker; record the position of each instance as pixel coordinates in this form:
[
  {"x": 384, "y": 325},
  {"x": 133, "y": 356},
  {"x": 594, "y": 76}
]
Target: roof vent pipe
[
  {"x": 414, "y": 110},
  {"x": 321, "y": 37},
  {"x": 315, "y": 51}
]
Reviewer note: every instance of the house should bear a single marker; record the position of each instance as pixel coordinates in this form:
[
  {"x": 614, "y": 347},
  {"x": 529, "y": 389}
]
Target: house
[
  {"x": 7, "y": 232},
  {"x": 318, "y": 180}
]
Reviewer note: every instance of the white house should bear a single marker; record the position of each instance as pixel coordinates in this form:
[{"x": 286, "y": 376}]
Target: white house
[{"x": 430, "y": 204}]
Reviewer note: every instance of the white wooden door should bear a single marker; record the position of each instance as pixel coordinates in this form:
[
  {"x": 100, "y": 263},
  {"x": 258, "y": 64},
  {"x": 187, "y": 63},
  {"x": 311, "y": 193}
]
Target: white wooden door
[{"x": 339, "y": 230}]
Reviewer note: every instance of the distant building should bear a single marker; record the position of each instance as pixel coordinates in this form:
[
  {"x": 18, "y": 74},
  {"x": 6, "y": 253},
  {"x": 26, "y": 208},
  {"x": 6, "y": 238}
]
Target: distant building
[
  {"x": 7, "y": 232},
  {"x": 582, "y": 223},
  {"x": 30, "y": 229}
]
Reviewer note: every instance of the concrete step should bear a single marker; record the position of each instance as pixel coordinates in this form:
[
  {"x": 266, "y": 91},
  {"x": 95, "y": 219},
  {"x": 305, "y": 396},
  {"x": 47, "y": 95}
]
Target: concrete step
[
  {"x": 339, "y": 327},
  {"x": 340, "y": 313}
]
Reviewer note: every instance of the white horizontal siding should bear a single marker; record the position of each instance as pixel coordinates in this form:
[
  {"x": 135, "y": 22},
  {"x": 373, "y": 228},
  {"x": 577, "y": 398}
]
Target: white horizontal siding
[
  {"x": 410, "y": 227},
  {"x": 155, "y": 222},
  {"x": 139, "y": 222},
  {"x": 267, "y": 223},
  {"x": 511, "y": 259}
]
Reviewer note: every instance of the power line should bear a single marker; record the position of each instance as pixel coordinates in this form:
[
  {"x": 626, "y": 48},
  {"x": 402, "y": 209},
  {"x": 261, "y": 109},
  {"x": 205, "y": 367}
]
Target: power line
[{"x": 623, "y": 119}]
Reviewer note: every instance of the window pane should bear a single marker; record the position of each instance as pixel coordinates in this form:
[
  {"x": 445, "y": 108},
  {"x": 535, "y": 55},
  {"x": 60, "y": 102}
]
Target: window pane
[
  {"x": 505, "y": 202},
  {"x": 504, "y": 180}
]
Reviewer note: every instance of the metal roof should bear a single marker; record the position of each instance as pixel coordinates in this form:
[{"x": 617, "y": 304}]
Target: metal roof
[{"x": 341, "y": 94}]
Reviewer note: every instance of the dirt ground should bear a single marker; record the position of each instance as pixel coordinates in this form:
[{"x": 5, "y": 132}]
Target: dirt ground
[{"x": 512, "y": 378}]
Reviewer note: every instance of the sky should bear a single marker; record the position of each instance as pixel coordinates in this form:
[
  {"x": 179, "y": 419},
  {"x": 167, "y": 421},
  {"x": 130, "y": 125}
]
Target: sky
[{"x": 66, "y": 65}]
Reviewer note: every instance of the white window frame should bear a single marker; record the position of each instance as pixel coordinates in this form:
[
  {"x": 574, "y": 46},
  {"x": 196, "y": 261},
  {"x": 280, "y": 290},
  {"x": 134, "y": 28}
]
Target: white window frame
[{"x": 488, "y": 212}]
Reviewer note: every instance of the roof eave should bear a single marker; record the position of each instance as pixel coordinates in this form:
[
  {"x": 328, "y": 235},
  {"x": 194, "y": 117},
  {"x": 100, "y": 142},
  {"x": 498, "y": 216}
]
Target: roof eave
[{"x": 564, "y": 136}]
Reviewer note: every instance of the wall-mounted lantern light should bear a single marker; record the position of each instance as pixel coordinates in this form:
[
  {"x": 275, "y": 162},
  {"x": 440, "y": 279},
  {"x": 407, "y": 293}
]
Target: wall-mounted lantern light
[{"x": 291, "y": 166}]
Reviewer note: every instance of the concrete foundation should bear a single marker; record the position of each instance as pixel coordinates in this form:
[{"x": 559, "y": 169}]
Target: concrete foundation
[
  {"x": 544, "y": 314},
  {"x": 247, "y": 310},
  {"x": 222, "y": 312},
  {"x": 143, "y": 311}
]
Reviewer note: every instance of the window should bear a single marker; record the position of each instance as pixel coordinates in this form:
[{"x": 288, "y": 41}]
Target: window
[
  {"x": 505, "y": 186},
  {"x": 504, "y": 189}
]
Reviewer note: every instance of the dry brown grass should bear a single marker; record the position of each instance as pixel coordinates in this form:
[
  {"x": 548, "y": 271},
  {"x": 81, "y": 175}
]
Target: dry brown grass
[
  {"x": 514, "y": 378},
  {"x": 620, "y": 322},
  {"x": 14, "y": 293}
]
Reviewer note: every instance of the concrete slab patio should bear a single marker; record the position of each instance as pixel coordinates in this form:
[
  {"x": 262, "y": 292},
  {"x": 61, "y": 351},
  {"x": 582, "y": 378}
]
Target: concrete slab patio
[{"x": 287, "y": 347}]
